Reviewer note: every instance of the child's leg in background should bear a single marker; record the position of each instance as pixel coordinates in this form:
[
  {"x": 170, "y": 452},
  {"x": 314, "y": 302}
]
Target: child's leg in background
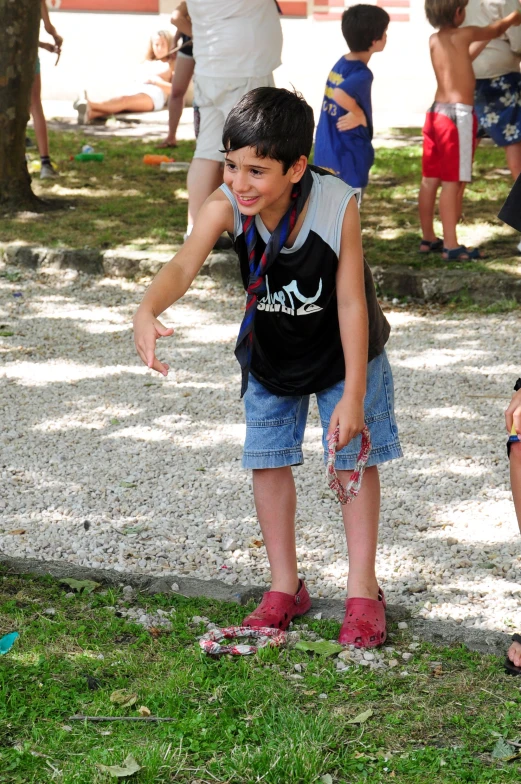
[
  {"x": 450, "y": 211},
  {"x": 276, "y": 503},
  {"x": 515, "y": 478},
  {"x": 40, "y": 125},
  {"x": 426, "y": 203},
  {"x": 361, "y": 519}
]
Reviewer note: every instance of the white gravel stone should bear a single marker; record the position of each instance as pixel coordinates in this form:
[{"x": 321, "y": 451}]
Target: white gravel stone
[{"x": 84, "y": 416}]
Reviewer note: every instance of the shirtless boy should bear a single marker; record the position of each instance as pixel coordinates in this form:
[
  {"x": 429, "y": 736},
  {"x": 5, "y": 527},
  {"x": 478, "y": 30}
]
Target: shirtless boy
[{"x": 449, "y": 133}]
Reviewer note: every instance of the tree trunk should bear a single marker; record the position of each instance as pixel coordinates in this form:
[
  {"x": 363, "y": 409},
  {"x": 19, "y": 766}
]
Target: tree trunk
[{"x": 19, "y": 30}]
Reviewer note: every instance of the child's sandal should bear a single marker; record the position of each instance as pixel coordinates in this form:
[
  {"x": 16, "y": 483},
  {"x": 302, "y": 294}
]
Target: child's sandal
[
  {"x": 364, "y": 622},
  {"x": 278, "y": 609},
  {"x": 426, "y": 246}
]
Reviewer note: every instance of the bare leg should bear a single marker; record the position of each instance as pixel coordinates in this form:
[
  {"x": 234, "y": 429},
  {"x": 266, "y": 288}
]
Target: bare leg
[
  {"x": 125, "y": 103},
  {"x": 450, "y": 209},
  {"x": 361, "y": 526},
  {"x": 426, "y": 201},
  {"x": 515, "y": 478},
  {"x": 276, "y": 503},
  {"x": 184, "y": 70},
  {"x": 40, "y": 125},
  {"x": 204, "y": 177},
  {"x": 513, "y": 156}
]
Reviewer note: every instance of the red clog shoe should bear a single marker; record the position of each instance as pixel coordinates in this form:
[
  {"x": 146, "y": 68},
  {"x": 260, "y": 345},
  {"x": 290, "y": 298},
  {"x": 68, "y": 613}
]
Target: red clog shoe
[
  {"x": 364, "y": 622},
  {"x": 278, "y": 609}
]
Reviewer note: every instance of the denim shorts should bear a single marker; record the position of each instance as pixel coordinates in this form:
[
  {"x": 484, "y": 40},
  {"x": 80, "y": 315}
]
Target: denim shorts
[{"x": 275, "y": 425}]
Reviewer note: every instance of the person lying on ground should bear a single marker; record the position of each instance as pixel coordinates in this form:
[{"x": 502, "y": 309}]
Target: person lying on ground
[{"x": 150, "y": 91}]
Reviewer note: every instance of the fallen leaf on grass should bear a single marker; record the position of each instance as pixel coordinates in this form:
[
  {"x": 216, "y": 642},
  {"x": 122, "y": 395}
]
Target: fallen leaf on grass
[
  {"x": 7, "y": 642},
  {"x": 502, "y": 750},
  {"x": 87, "y": 586},
  {"x": 323, "y": 648},
  {"x": 127, "y": 484},
  {"x": 362, "y": 717},
  {"x": 256, "y": 543},
  {"x": 144, "y": 711},
  {"x": 127, "y": 768},
  {"x": 155, "y": 632},
  {"x": 123, "y": 697},
  {"x": 6, "y": 333},
  {"x": 17, "y": 531}
]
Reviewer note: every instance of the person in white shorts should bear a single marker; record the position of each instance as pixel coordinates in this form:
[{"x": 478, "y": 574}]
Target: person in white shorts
[
  {"x": 150, "y": 91},
  {"x": 237, "y": 46}
]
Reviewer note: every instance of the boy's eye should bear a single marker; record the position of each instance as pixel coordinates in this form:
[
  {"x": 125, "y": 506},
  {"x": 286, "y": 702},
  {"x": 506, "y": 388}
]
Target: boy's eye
[
  {"x": 255, "y": 171},
  {"x": 230, "y": 166}
]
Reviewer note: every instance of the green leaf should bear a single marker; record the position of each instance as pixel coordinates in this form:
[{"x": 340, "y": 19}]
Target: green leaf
[
  {"x": 128, "y": 484},
  {"x": 502, "y": 750},
  {"x": 123, "y": 697},
  {"x": 127, "y": 768},
  {"x": 323, "y": 648},
  {"x": 87, "y": 586},
  {"x": 114, "y": 421},
  {"x": 6, "y": 333},
  {"x": 362, "y": 717}
]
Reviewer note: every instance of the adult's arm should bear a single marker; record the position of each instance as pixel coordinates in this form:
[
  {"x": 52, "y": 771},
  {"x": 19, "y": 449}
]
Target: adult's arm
[
  {"x": 181, "y": 19},
  {"x": 49, "y": 27},
  {"x": 513, "y": 34}
]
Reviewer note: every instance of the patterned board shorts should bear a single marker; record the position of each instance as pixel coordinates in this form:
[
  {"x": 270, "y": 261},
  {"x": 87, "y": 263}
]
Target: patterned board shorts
[{"x": 498, "y": 107}]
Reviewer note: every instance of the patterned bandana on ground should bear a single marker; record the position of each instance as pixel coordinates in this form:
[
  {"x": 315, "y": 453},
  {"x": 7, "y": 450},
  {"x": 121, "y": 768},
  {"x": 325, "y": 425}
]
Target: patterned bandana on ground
[
  {"x": 256, "y": 282},
  {"x": 346, "y": 494},
  {"x": 265, "y": 636}
]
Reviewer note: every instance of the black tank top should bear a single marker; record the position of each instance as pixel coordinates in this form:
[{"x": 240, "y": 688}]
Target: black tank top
[{"x": 297, "y": 348}]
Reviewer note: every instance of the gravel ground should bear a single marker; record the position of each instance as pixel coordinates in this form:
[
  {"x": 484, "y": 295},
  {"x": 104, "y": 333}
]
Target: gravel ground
[{"x": 104, "y": 464}]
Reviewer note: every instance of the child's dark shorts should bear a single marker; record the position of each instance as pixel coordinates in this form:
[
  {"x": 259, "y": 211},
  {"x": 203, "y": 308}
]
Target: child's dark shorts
[{"x": 275, "y": 425}]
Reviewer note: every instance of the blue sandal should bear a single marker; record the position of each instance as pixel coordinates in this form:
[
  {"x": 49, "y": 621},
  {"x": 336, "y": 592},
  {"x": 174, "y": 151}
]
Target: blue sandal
[
  {"x": 461, "y": 253},
  {"x": 426, "y": 246}
]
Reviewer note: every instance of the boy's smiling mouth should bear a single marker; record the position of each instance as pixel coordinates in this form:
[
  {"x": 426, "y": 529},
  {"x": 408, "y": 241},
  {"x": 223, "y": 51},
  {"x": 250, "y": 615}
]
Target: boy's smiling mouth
[{"x": 246, "y": 201}]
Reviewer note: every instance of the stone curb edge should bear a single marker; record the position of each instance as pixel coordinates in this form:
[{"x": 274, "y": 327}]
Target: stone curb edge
[
  {"x": 426, "y": 285},
  {"x": 438, "y": 632}
]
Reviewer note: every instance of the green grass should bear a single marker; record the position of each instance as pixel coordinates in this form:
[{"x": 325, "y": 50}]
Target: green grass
[
  {"x": 122, "y": 202},
  {"x": 236, "y": 720}
]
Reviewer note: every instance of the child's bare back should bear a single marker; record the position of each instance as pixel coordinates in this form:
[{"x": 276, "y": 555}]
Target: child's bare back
[{"x": 452, "y": 63}]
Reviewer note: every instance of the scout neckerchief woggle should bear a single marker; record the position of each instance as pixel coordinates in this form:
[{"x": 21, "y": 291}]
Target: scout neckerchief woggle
[{"x": 256, "y": 282}]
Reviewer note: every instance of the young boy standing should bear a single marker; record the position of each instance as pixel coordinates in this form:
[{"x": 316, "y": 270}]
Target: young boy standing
[
  {"x": 312, "y": 325},
  {"x": 345, "y": 129},
  {"x": 449, "y": 133}
]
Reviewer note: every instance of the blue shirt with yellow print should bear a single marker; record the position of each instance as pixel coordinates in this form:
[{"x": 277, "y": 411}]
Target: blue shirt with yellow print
[{"x": 348, "y": 154}]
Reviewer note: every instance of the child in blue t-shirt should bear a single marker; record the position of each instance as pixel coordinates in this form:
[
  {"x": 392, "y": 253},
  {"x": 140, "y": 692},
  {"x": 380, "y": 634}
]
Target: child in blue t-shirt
[{"x": 345, "y": 128}]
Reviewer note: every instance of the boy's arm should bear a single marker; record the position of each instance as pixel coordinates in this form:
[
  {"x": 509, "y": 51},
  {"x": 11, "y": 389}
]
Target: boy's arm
[
  {"x": 175, "y": 278},
  {"x": 354, "y": 328},
  {"x": 494, "y": 30},
  {"x": 49, "y": 27},
  {"x": 355, "y": 114},
  {"x": 181, "y": 19},
  {"x": 513, "y": 413}
]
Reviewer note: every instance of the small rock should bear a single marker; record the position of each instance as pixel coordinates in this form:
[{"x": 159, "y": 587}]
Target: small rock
[
  {"x": 368, "y": 656},
  {"x": 404, "y": 673},
  {"x": 341, "y": 665},
  {"x": 414, "y": 646},
  {"x": 318, "y": 616},
  {"x": 230, "y": 544},
  {"x": 344, "y": 655},
  {"x": 70, "y": 595},
  {"x": 50, "y": 611},
  {"x": 322, "y": 696},
  {"x": 364, "y": 663},
  {"x": 393, "y": 663},
  {"x": 174, "y": 587},
  {"x": 406, "y": 656},
  {"x": 403, "y": 625},
  {"x": 296, "y": 677},
  {"x": 297, "y": 667}
]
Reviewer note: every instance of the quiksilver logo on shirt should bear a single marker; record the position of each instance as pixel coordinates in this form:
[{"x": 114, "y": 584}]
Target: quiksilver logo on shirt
[{"x": 289, "y": 300}]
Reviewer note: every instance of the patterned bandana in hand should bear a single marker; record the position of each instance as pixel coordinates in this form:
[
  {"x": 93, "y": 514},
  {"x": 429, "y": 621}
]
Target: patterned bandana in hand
[{"x": 256, "y": 283}]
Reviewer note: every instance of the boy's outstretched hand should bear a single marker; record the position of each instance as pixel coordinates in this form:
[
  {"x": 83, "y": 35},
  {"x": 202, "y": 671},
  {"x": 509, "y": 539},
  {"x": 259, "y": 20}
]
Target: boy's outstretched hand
[
  {"x": 513, "y": 413},
  {"x": 349, "y": 417},
  {"x": 147, "y": 329}
]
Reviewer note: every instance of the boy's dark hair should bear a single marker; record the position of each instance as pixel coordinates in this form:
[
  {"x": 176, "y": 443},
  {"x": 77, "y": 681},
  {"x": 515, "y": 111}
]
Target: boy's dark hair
[
  {"x": 362, "y": 24},
  {"x": 276, "y": 122},
  {"x": 440, "y": 13}
]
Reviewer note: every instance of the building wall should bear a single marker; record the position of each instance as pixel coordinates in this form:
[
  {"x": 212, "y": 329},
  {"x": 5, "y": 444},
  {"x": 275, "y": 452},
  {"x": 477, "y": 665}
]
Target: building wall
[{"x": 101, "y": 52}]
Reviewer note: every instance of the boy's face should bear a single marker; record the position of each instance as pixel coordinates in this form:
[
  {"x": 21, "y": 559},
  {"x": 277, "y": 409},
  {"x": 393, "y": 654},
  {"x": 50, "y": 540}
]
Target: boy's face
[
  {"x": 260, "y": 183},
  {"x": 379, "y": 45}
]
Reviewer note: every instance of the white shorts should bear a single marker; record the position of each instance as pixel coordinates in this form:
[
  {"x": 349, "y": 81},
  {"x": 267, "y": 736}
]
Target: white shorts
[
  {"x": 215, "y": 97},
  {"x": 153, "y": 91}
]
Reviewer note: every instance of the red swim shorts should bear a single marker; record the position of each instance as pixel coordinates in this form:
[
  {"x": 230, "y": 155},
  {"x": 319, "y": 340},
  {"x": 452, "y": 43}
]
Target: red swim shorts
[{"x": 449, "y": 142}]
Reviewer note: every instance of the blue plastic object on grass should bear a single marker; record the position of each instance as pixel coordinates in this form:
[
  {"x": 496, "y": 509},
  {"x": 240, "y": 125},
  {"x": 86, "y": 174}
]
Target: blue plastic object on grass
[{"x": 7, "y": 642}]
